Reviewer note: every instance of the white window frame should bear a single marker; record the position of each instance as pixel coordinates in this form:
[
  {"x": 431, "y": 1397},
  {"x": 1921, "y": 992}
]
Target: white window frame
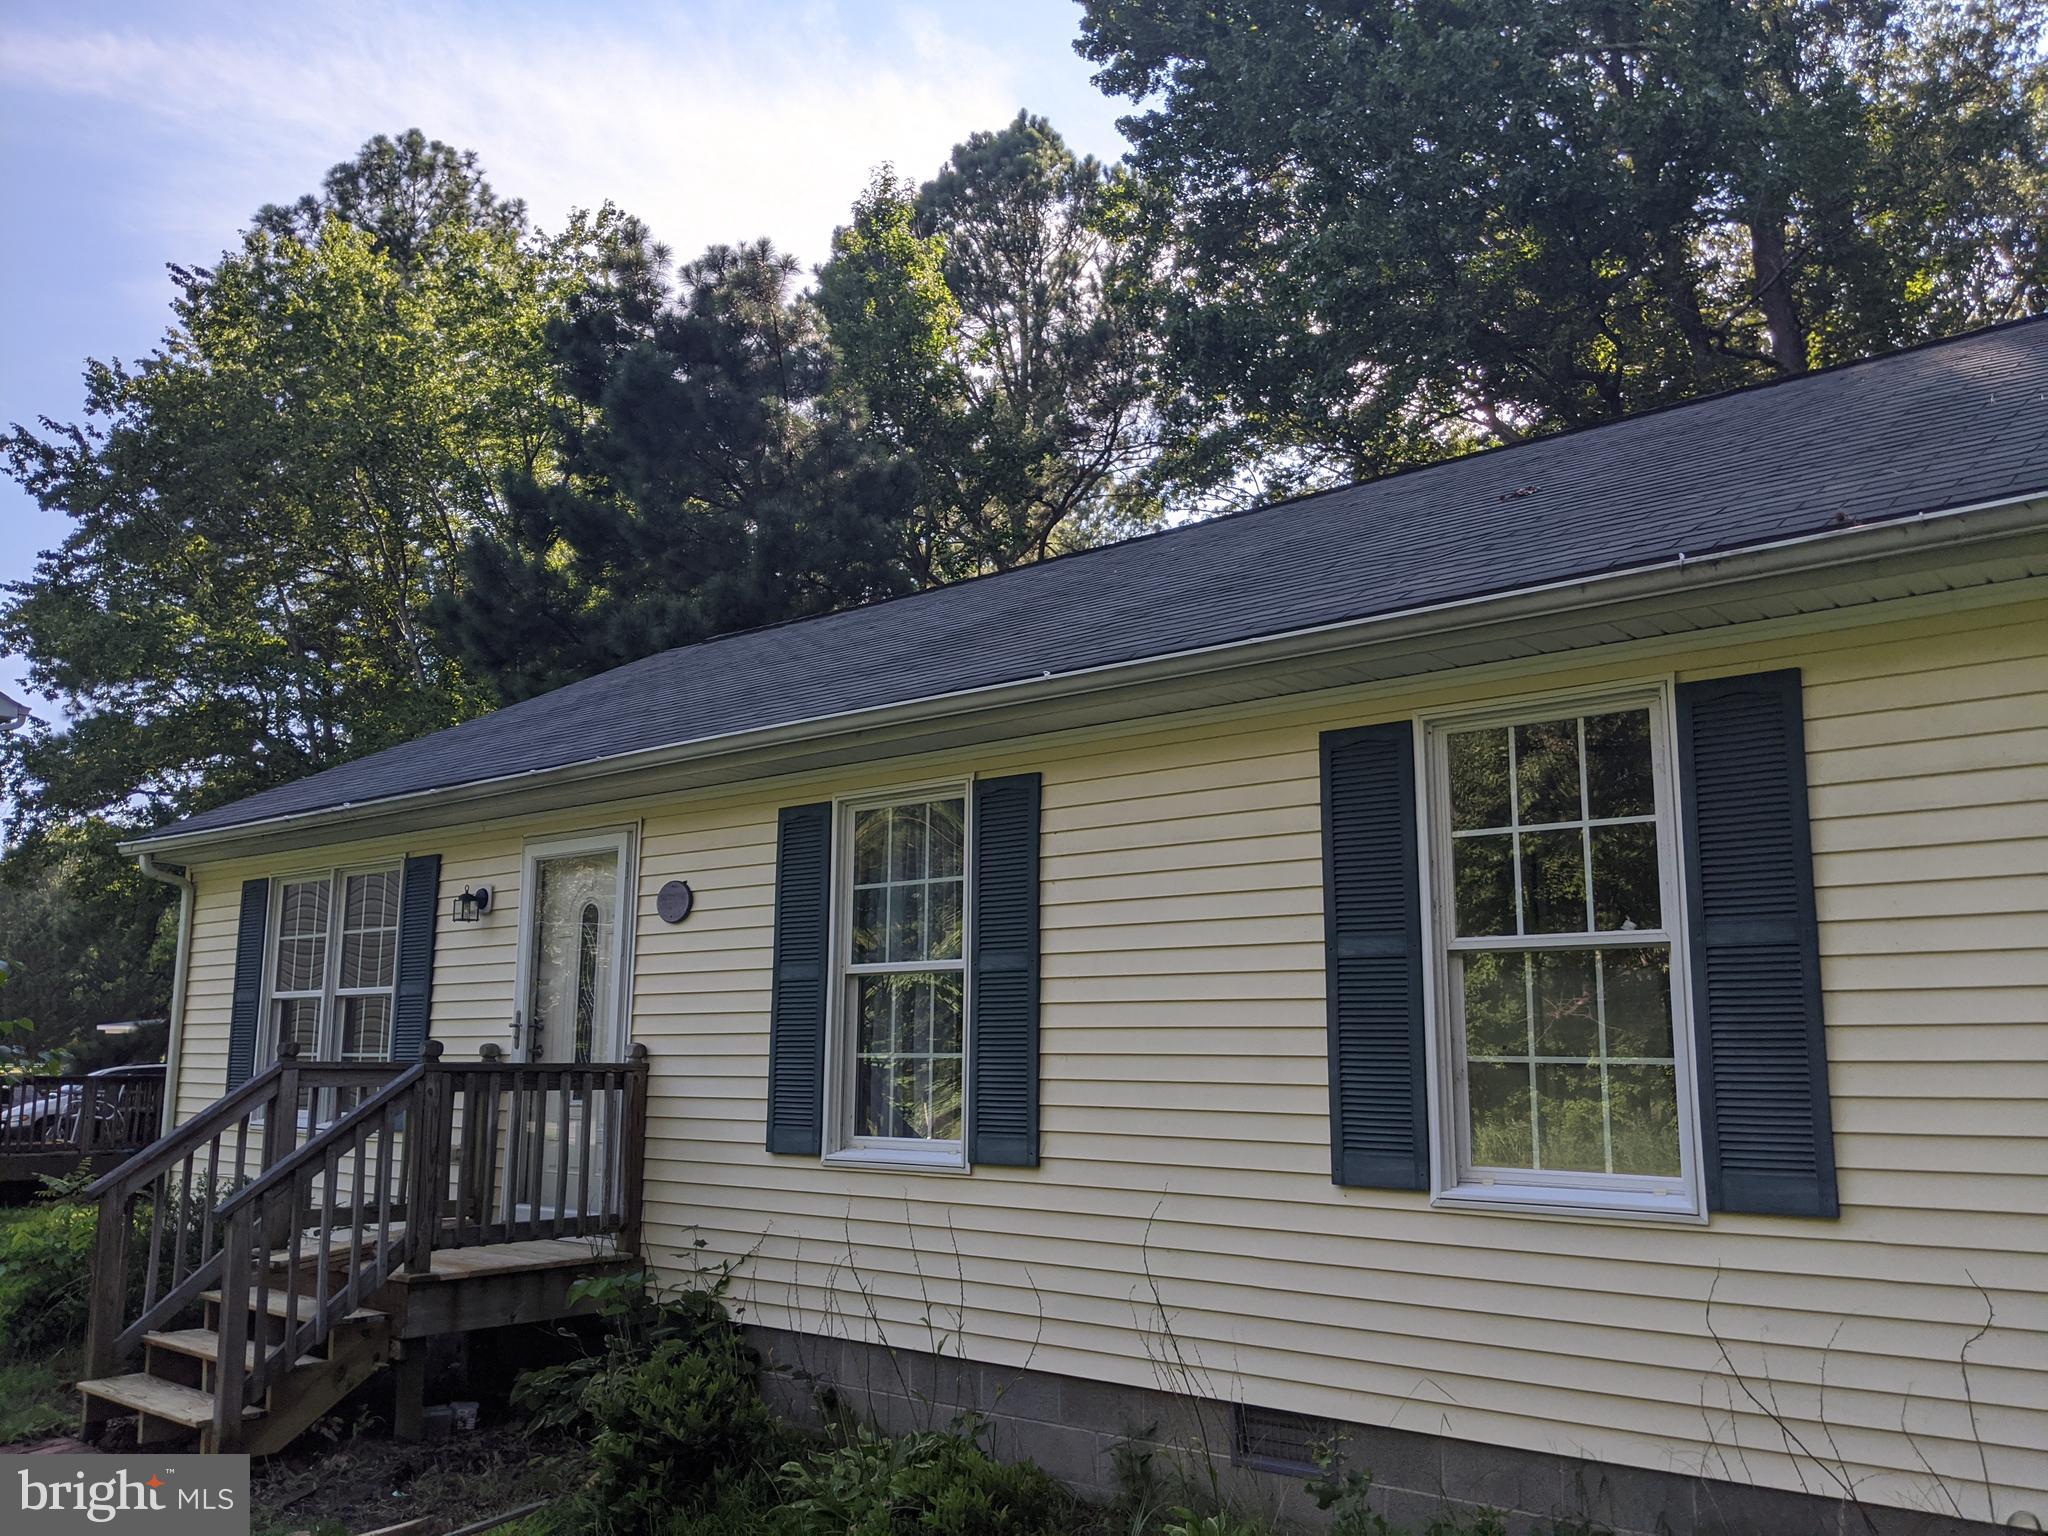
[
  {"x": 1453, "y": 1184},
  {"x": 614, "y": 1030},
  {"x": 330, "y": 992},
  {"x": 843, "y": 1149}
]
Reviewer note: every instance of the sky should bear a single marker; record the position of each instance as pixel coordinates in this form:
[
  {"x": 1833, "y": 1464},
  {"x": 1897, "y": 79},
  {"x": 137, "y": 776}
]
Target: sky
[{"x": 135, "y": 135}]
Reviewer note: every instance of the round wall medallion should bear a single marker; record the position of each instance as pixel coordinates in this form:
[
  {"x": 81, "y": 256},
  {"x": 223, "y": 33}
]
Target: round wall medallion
[{"x": 674, "y": 901}]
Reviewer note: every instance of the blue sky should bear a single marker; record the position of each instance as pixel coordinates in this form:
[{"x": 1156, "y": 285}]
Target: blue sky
[{"x": 137, "y": 134}]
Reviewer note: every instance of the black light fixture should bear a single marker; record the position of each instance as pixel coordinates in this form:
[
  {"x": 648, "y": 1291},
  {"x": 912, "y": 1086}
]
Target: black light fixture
[{"x": 471, "y": 905}]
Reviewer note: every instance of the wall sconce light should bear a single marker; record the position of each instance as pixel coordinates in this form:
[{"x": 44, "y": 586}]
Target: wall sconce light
[{"x": 471, "y": 905}]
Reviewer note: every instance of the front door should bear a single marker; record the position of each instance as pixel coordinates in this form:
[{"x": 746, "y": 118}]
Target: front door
[{"x": 572, "y": 984}]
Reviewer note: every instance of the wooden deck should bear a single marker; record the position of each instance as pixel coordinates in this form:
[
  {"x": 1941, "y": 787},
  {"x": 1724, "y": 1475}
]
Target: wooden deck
[{"x": 52, "y": 1125}]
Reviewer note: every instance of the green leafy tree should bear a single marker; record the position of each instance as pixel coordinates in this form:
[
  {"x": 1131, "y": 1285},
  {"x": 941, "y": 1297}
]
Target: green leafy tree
[
  {"x": 994, "y": 328},
  {"x": 85, "y": 940},
  {"x": 1398, "y": 232},
  {"x": 263, "y": 508},
  {"x": 710, "y": 480}
]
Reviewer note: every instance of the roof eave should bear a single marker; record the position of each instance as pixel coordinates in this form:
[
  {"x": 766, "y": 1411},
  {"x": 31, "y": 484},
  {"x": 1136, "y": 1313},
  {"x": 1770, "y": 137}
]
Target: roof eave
[{"x": 1808, "y": 553}]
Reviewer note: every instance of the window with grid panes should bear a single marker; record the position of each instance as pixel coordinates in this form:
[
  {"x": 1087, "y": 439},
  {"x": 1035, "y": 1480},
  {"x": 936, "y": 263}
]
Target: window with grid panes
[
  {"x": 1558, "y": 910},
  {"x": 902, "y": 974},
  {"x": 334, "y": 965}
]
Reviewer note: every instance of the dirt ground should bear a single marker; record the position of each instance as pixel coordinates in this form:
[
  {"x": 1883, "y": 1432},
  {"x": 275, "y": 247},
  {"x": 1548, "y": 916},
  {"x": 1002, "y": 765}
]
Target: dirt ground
[{"x": 366, "y": 1481}]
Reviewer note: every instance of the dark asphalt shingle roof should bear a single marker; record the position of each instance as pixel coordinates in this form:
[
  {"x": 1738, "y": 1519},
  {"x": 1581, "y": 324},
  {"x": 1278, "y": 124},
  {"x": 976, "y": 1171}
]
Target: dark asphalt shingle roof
[{"x": 1940, "y": 426}]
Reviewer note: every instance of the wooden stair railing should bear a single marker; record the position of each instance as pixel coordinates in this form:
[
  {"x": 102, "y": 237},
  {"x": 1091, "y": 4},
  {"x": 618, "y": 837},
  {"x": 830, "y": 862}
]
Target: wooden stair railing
[
  {"x": 338, "y": 1173},
  {"x": 184, "y": 1175},
  {"x": 441, "y": 1155}
]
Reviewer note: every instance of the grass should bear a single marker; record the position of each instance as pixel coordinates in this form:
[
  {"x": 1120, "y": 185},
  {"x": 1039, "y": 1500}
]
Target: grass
[{"x": 35, "y": 1399}]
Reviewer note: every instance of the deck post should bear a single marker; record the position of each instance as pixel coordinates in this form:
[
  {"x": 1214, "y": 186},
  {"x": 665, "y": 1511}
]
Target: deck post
[
  {"x": 109, "y": 1282},
  {"x": 429, "y": 1189},
  {"x": 88, "y": 1116},
  {"x": 409, "y": 1390},
  {"x": 237, "y": 1297},
  {"x": 281, "y": 1115},
  {"x": 633, "y": 1155}
]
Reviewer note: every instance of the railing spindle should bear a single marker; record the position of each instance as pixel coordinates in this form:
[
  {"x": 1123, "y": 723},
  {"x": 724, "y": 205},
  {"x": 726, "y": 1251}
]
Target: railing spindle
[
  {"x": 587, "y": 1097},
  {"x": 536, "y": 1152},
  {"x": 181, "y": 1232},
  {"x": 562, "y": 1149},
  {"x": 156, "y": 1238},
  {"x": 212, "y": 1194},
  {"x": 487, "y": 1149}
]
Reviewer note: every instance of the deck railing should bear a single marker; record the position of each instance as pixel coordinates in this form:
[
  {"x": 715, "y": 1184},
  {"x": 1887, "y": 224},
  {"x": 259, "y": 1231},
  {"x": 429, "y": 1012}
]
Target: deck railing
[
  {"x": 76, "y": 1116},
  {"x": 437, "y": 1155}
]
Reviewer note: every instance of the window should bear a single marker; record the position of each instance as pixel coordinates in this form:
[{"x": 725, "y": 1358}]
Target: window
[
  {"x": 901, "y": 983},
  {"x": 1561, "y": 1015},
  {"x": 335, "y": 965}
]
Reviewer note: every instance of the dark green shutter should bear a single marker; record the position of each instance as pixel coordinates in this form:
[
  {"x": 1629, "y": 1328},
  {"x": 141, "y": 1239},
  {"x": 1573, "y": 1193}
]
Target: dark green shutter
[
  {"x": 1002, "y": 1038},
  {"x": 1762, "y": 1049},
  {"x": 796, "y": 1007},
  {"x": 1372, "y": 934},
  {"x": 246, "y": 1011},
  {"x": 419, "y": 906}
]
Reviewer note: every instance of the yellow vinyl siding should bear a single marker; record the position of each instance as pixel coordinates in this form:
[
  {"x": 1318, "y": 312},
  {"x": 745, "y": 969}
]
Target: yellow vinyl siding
[{"x": 1185, "y": 1099}]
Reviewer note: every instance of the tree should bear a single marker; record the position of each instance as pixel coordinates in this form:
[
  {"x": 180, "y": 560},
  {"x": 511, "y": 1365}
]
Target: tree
[
  {"x": 709, "y": 481},
  {"x": 993, "y": 328},
  {"x": 263, "y": 508},
  {"x": 1398, "y": 232},
  {"x": 85, "y": 940}
]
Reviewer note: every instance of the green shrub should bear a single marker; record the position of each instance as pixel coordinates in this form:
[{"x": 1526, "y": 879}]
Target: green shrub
[
  {"x": 639, "y": 1316},
  {"x": 670, "y": 1429},
  {"x": 937, "y": 1484},
  {"x": 45, "y": 1276}
]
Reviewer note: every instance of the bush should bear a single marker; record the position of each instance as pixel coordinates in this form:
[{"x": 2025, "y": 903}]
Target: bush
[
  {"x": 934, "y": 1484},
  {"x": 45, "y": 1276},
  {"x": 670, "y": 1429}
]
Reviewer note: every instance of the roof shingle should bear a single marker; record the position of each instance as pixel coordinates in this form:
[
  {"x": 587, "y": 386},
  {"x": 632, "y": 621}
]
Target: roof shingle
[{"x": 1937, "y": 427}]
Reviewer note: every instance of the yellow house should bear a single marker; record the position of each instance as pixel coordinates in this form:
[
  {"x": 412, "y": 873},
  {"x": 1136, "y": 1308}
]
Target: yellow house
[{"x": 1539, "y": 964}]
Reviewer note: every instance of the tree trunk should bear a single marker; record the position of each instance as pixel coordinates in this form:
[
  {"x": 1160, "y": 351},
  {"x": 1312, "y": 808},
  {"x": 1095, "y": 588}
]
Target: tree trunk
[{"x": 1774, "y": 293}]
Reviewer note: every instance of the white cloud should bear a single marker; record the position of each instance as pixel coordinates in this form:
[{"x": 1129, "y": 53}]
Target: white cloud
[{"x": 712, "y": 122}]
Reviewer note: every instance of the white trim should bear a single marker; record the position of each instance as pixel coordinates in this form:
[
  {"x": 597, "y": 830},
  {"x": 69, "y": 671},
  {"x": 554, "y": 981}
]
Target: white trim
[
  {"x": 624, "y": 841},
  {"x": 1804, "y": 554},
  {"x": 1452, "y": 1184},
  {"x": 842, "y": 1148}
]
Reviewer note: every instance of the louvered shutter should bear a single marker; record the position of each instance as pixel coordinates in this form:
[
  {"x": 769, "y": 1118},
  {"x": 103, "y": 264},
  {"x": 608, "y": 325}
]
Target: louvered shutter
[
  {"x": 796, "y": 1008},
  {"x": 1755, "y": 951},
  {"x": 245, "y": 1012},
  {"x": 1003, "y": 1035},
  {"x": 1372, "y": 926},
  {"x": 419, "y": 906}
]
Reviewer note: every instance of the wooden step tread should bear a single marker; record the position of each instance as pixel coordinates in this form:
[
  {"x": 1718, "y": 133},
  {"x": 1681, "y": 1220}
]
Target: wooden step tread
[
  {"x": 204, "y": 1344},
  {"x": 307, "y": 1306},
  {"x": 159, "y": 1399}
]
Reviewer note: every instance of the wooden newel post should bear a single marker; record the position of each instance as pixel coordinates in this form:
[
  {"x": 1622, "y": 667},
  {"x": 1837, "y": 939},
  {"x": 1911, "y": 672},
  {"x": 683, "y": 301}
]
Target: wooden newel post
[
  {"x": 88, "y": 1115},
  {"x": 429, "y": 1185},
  {"x": 237, "y": 1296},
  {"x": 281, "y": 1114},
  {"x": 109, "y": 1282},
  {"x": 633, "y": 1155}
]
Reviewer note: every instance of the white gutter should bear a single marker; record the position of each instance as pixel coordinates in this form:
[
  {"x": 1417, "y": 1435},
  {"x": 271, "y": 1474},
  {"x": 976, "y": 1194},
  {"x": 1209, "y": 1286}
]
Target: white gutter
[
  {"x": 1794, "y": 556},
  {"x": 173, "y": 1046}
]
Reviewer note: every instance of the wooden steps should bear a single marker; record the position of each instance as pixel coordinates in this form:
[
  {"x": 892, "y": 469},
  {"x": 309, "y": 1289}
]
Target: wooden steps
[
  {"x": 459, "y": 1290},
  {"x": 305, "y": 1307},
  {"x": 204, "y": 1344},
  {"x": 154, "y": 1398}
]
